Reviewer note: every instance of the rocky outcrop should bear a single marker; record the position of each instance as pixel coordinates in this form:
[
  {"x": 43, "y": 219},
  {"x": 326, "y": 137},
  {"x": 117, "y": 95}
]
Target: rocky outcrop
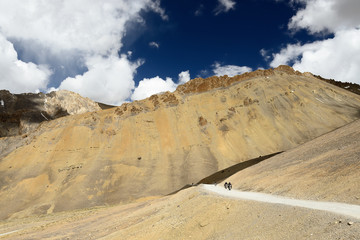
[
  {"x": 22, "y": 113},
  {"x": 198, "y": 85}
]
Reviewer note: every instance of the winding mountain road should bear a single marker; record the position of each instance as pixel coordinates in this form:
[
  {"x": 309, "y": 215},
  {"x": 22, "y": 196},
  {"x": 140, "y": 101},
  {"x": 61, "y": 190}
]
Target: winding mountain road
[{"x": 334, "y": 207}]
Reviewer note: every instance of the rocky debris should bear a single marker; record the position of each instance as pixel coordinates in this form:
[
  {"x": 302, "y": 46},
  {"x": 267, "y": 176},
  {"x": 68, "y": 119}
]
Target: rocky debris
[
  {"x": 202, "y": 121},
  {"x": 248, "y": 101},
  {"x": 169, "y": 98},
  {"x": 135, "y": 110},
  {"x": 71, "y": 167},
  {"x": 166, "y": 99},
  {"x": 155, "y": 100},
  {"x": 22, "y": 113},
  {"x": 350, "y": 223}
]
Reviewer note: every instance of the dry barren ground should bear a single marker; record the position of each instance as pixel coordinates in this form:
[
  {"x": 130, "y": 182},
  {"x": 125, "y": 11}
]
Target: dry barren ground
[{"x": 194, "y": 213}]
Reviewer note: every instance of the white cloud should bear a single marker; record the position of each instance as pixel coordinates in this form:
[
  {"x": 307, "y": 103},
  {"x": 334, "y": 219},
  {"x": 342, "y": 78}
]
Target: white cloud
[
  {"x": 18, "y": 76},
  {"x": 184, "y": 77},
  {"x": 327, "y": 15},
  {"x": 109, "y": 80},
  {"x": 337, "y": 57},
  {"x": 264, "y": 53},
  {"x": 151, "y": 86},
  {"x": 155, "y": 6},
  {"x": 291, "y": 53},
  {"x": 224, "y": 6},
  {"x": 230, "y": 70},
  {"x": 85, "y": 25},
  {"x": 84, "y": 29},
  {"x": 154, "y": 44}
]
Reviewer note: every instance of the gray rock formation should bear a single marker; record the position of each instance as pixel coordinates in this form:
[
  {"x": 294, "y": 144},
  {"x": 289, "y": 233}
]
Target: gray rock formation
[{"x": 21, "y": 113}]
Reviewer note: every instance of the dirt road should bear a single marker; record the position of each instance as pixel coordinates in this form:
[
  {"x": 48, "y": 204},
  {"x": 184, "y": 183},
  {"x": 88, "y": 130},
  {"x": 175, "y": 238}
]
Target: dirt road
[{"x": 334, "y": 207}]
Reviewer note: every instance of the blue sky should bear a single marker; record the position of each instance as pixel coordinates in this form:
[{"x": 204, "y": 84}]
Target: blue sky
[
  {"x": 114, "y": 51},
  {"x": 194, "y": 38}
]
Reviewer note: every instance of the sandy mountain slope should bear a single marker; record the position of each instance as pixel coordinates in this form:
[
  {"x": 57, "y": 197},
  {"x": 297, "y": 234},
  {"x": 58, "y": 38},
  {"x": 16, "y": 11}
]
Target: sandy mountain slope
[
  {"x": 326, "y": 169},
  {"x": 156, "y": 146},
  {"x": 195, "y": 213}
]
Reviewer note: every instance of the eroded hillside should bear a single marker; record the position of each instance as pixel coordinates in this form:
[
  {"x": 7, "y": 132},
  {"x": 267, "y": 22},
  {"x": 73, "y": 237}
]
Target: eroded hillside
[{"x": 156, "y": 146}]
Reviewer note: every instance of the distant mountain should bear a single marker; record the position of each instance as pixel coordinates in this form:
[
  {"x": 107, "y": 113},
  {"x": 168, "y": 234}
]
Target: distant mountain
[
  {"x": 157, "y": 145},
  {"x": 22, "y": 113}
]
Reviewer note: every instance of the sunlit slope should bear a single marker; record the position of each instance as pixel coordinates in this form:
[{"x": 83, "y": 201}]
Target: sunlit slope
[
  {"x": 326, "y": 168},
  {"x": 155, "y": 146},
  {"x": 193, "y": 213}
]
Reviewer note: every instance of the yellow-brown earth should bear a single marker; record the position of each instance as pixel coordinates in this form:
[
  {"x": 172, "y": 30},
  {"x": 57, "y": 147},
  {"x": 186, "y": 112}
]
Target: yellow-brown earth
[
  {"x": 156, "y": 146},
  {"x": 325, "y": 169}
]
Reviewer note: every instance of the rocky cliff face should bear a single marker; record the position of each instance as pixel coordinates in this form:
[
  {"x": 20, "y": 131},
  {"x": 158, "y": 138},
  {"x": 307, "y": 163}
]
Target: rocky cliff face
[
  {"x": 157, "y": 145},
  {"x": 22, "y": 113}
]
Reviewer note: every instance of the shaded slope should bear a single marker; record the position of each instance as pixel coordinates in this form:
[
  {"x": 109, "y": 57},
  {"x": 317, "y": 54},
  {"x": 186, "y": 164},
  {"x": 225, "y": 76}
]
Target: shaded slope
[
  {"x": 326, "y": 168},
  {"x": 227, "y": 172},
  {"x": 156, "y": 146}
]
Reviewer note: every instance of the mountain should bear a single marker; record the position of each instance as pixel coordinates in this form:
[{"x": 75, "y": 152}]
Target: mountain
[
  {"x": 157, "y": 145},
  {"x": 22, "y": 113},
  {"x": 323, "y": 169}
]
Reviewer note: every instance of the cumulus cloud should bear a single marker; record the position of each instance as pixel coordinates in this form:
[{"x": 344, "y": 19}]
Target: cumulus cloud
[
  {"x": 108, "y": 80},
  {"x": 337, "y": 57},
  {"x": 90, "y": 30},
  {"x": 151, "y": 86},
  {"x": 224, "y": 6},
  {"x": 184, "y": 77},
  {"x": 18, "y": 76},
  {"x": 154, "y": 44},
  {"x": 230, "y": 70},
  {"x": 91, "y": 26},
  {"x": 327, "y": 15}
]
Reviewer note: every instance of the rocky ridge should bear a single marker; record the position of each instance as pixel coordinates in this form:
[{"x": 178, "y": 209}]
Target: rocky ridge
[
  {"x": 22, "y": 113},
  {"x": 199, "y": 85}
]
